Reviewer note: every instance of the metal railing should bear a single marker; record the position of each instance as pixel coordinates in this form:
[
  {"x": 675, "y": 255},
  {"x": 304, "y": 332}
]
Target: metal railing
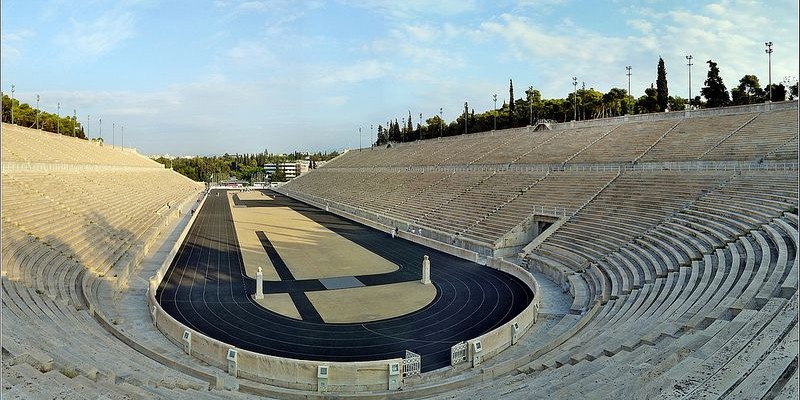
[{"x": 412, "y": 364}]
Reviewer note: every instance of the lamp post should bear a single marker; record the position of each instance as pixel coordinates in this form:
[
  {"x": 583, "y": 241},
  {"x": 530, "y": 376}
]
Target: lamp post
[
  {"x": 495, "y": 111},
  {"x": 87, "y": 125},
  {"x": 628, "y": 68},
  {"x": 74, "y": 120},
  {"x": 530, "y": 103},
  {"x": 466, "y": 117},
  {"x": 689, "y": 64},
  {"x": 370, "y": 133},
  {"x": 441, "y": 121},
  {"x": 420, "y": 126},
  {"x": 58, "y": 118},
  {"x": 122, "y": 128},
  {"x": 37, "y": 111},
  {"x": 403, "y": 131},
  {"x": 359, "y": 138},
  {"x": 575, "y": 98},
  {"x": 583, "y": 95},
  {"x": 769, "y": 55},
  {"x": 100, "y": 127},
  {"x": 12, "y": 103}
]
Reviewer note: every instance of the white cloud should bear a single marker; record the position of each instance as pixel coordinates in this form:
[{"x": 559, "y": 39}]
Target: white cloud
[
  {"x": 641, "y": 25},
  {"x": 405, "y": 9},
  {"x": 98, "y": 37},
  {"x": 11, "y": 44},
  {"x": 354, "y": 73},
  {"x": 731, "y": 32},
  {"x": 250, "y": 54}
]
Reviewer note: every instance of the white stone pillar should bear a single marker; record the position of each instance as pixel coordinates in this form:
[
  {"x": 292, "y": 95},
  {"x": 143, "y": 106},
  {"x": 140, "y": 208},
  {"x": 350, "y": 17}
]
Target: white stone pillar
[
  {"x": 259, "y": 284},
  {"x": 426, "y": 271}
]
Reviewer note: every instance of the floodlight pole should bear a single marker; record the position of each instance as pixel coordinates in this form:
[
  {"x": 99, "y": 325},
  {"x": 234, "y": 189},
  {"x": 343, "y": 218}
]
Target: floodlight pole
[
  {"x": 100, "y": 127},
  {"x": 37, "y": 111},
  {"x": 359, "y": 138},
  {"x": 420, "y": 126},
  {"x": 769, "y": 55},
  {"x": 583, "y": 106},
  {"x": 123, "y": 137},
  {"x": 87, "y": 125},
  {"x": 575, "y": 98},
  {"x": 12, "y": 104},
  {"x": 370, "y": 134},
  {"x": 495, "y": 111},
  {"x": 441, "y": 121},
  {"x": 466, "y": 117},
  {"x": 530, "y": 104},
  {"x": 689, "y": 64},
  {"x": 628, "y": 68}
]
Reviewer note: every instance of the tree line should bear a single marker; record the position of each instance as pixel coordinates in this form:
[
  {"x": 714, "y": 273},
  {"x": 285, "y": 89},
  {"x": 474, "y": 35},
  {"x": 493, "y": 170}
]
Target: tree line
[
  {"x": 245, "y": 167},
  {"x": 27, "y": 116},
  {"x": 583, "y": 104}
]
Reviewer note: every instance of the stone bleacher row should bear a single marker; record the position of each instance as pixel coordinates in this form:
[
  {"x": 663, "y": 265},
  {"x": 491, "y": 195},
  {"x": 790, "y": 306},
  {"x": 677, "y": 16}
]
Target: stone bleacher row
[
  {"x": 22, "y": 144},
  {"x": 728, "y": 259},
  {"x": 85, "y": 216},
  {"x": 64, "y": 232},
  {"x": 482, "y": 206},
  {"x": 684, "y": 283},
  {"x": 735, "y": 137}
]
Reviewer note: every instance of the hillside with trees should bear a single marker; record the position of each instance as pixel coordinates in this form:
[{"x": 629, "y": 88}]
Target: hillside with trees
[
  {"x": 25, "y": 115},
  {"x": 582, "y": 104},
  {"x": 246, "y": 167}
]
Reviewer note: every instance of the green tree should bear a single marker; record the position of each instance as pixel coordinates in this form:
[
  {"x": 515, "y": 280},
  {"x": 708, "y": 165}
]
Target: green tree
[
  {"x": 278, "y": 176},
  {"x": 394, "y": 131},
  {"x": 383, "y": 136},
  {"x": 647, "y": 103},
  {"x": 748, "y": 92},
  {"x": 778, "y": 92},
  {"x": 614, "y": 102},
  {"x": 662, "y": 95},
  {"x": 410, "y": 129},
  {"x": 511, "y": 93},
  {"x": 677, "y": 103},
  {"x": 714, "y": 91}
]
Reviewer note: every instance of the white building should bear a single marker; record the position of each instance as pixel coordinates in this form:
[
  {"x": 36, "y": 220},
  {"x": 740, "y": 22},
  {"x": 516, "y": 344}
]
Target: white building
[{"x": 291, "y": 169}]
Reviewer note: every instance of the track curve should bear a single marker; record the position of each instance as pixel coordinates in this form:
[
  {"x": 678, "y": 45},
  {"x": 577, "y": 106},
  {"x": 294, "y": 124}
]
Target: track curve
[{"x": 205, "y": 288}]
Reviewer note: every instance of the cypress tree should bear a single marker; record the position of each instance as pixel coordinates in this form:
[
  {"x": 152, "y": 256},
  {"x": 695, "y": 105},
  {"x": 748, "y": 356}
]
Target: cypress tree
[
  {"x": 511, "y": 95},
  {"x": 714, "y": 91},
  {"x": 661, "y": 86},
  {"x": 510, "y": 103}
]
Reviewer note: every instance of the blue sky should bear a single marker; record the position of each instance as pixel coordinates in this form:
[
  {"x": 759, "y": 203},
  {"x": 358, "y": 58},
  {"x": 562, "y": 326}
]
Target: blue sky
[{"x": 195, "y": 77}]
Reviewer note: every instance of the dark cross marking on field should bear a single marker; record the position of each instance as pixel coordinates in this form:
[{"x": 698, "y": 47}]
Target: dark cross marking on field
[{"x": 296, "y": 292}]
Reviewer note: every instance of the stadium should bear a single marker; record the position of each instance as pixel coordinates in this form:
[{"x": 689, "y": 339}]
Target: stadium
[
  {"x": 663, "y": 249},
  {"x": 597, "y": 246}
]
